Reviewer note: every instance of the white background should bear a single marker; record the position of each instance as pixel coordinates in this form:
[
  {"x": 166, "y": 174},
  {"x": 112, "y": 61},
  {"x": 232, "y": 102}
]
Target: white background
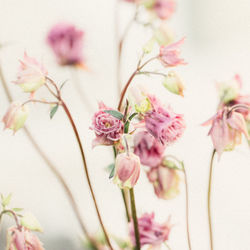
[{"x": 217, "y": 46}]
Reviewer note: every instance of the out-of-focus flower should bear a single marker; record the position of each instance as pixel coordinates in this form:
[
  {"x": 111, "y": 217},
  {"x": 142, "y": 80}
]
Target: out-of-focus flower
[
  {"x": 164, "y": 8},
  {"x": 32, "y": 75},
  {"x": 170, "y": 54},
  {"x": 66, "y": 41},
  {"x": 108, "y": 129},
  {"x": 22, "y": 239},
  {"x": 173, "y": 83},
  {"x": 165, "y": 181},
  {"x": 164, "y": 35},
  {"x": 15, "y": 116},
  {"x": 226, "y": 130},
  {"x": 148, "y": 149},
  {"x": 127, "y": 170},
  {"x": 151, "y": 232}
]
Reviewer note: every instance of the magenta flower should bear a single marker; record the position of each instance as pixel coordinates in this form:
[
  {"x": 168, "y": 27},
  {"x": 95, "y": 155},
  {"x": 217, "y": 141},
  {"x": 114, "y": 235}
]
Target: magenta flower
[
  {"x": 66, "y": 41},
  {"x": 164, "y": 8},
  {"x": 107, "y": 128},
  {"x": 151, "y": 232},
  {"x": 127, "y": 170},
  {"x": 227, "y": 127},
  {"x": 148, "y": 149},
  {"x": 170, "y": 54},
  {"x": 22, "y": 239}
]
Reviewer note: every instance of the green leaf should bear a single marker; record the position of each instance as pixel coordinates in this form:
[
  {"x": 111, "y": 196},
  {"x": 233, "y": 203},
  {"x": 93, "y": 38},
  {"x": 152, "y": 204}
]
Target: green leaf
[
  {"x": 132, "y": 116},
  {"x": 6, "y": 200},
  {"x": 17, "y": 209},
  {"x": 53, "y": 111},
  {"x": 110, "y": 167},
  {"x": 63, "y": 84},
  {"x": 29, "y": 221},
  {"x": 126, "y": 126},
  {"x": 112, "y": 173},
  {"x": 115, "y": 113}
]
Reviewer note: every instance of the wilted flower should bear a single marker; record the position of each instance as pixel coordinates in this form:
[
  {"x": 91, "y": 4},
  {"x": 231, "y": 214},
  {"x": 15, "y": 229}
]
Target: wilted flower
[
  {"x": 165, "y": 181},
  {"x": 127, "y": 170},
  {"x": 164, "y": 8},
  {"x": 148, "y": 149},
  {"x": 170, "y": 54},
  {"x": 32, "y": 75},
  {"x": 108, "y": 129},
  {"x": 227, "y": 127},
  {"x": 15, "y": 116},
  {"x": 66, "y": 41},
  {"x": 151, "y": 232},
  {"x": 173, "y": 83},
  {"x": 22, "y": 239}
]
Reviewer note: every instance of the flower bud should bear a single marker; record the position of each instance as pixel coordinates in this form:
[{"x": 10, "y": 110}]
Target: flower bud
[
  {"x": 164, "y": 8},
  {"x": 173, "y": 83},
  {"x": 164, "y": 35},
  {"x": 127, "y": 170}
]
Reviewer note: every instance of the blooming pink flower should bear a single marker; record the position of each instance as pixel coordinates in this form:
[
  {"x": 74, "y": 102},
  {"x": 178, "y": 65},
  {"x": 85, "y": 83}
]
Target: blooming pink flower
[
  {"x": 151, "y": 232},
  {"x": 22, "y": 239},
  {"x": 66, "y": 41},
  {"x": 15, "y": 116},
  {"x": 165, "y": 181},
  {"x": 164, "y": 8},
  {"x": 227, "y": 127},
  {"x": 32, "y": 75},
  {"x": 170, "y": 54},
  {"x": 148, "y": 149},
  {"x": 127, "y": 170},
  {"x": 107, "y": 128}
]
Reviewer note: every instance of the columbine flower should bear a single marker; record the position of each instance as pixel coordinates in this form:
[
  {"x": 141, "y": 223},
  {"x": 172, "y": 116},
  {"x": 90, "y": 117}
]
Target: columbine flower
[
  {"x": 164, "y": 8},
  {"x": 15, "y": 116},
  {"x": 107, "y": 128},
  {"x": 148, "y": 149},
  {"x": 22, "y": 239},
  {"x": 151, "y": 232},
  {"x": 32, "y": 75},
  {"x": 66, "y": 41},
  {"x": 169, "y": 55},
  {"x": 227, "y": 127},
  {"x": 165, "y": 181},
  {"x": 127, "y": 170},
  {"x": 173, "y": 83}
]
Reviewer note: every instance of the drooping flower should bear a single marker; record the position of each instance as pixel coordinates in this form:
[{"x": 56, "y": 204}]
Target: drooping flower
[
  {"x": 227, "y": 127},
  {"x": 32, "y": 75},
  {"x": 15, "y": 116},
  {"x": 170, "y": 54},
  {"x": 148, "y": 149},
  {"x": 173, "y": 83},
  {"x": 127, "y": 170},
  {"x": 164, "y": 35},
  {"x": 22, "y": 239},
  {"x": 164, "y": 8},
  {"x": 107, "y": 128},
  {"x": 66, "y": 41},
  {"x": 151, "y": 232}
]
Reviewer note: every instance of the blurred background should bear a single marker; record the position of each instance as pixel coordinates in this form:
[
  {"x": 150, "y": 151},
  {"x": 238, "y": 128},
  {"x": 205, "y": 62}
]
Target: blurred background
[{"x": 217, "y": 46}]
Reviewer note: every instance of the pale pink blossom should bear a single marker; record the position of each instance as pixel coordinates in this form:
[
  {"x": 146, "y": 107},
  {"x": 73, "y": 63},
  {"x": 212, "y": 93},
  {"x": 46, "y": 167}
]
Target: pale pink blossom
[
  {"x": 151, "y": 232},
  {"x": 170, "y": 54},
  {"x": 127, "y": 170},
  {"x": 32, "y": 75},
  {"x": 164, "y": 8},
  {"x": 149, "y": 149}
]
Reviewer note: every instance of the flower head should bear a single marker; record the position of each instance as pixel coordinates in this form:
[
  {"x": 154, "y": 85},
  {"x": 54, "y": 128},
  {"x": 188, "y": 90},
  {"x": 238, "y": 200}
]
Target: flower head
[
  {"x": 164, "y": 8},
  {"x": 173, "y": 83},
  {"x": 32, "y": 75},
  {"x": 151, "y": 232},
  {"x": 66, "y": 41},
  {"x": 127, "y": 170},
  {"x": 170, "y": 54},
  {"x": 148, "y": 149},
  {"x": 108, "y": 129},
  {"x": 15, "y": 116}
]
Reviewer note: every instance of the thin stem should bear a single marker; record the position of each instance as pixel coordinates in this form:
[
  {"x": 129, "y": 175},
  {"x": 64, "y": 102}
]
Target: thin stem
[
  {"x": 14, "y": 215},
  {"x": 152, "y": 73},
  {"x": 126, "y": 204},
  {"x": 134, "y": 216},
  {"x": 40, "y": 101},
  {"x": 209, "y": 200},
  {"x": 166, "y": 244},
  {"x": 86, "y": 170}
]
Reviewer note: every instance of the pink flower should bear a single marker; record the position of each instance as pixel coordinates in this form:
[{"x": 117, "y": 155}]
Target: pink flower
[
  {"x": 127, "y": 170},
  {"x": 227, "y": 127},
  {"x": 170, "y": 54},
  {"x": 16, "y": 116},
  {"x": 165, "y": 181},
  {"x": 107, "y": 128},
  {"x": 66, "y": 41},
  {"x": 151, "y": 232},
  {"x": 32, "y": 75},
  {"x": 22, "y": 239},
  {"x": 148, "y": 149},
  {"x": 164, "y": 8}
]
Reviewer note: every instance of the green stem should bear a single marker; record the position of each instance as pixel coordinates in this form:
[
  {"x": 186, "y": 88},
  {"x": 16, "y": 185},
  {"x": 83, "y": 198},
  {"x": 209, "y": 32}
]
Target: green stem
[{"x": 124, "y": 196}]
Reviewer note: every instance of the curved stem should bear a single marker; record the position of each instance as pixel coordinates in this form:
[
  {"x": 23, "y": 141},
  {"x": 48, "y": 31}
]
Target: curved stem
[
  {"x": 14, "y": 215},
  {"x": 86, "y": 170},
  {"x": 134, "y": 216},
  {"x": 209, "y": 200}
]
